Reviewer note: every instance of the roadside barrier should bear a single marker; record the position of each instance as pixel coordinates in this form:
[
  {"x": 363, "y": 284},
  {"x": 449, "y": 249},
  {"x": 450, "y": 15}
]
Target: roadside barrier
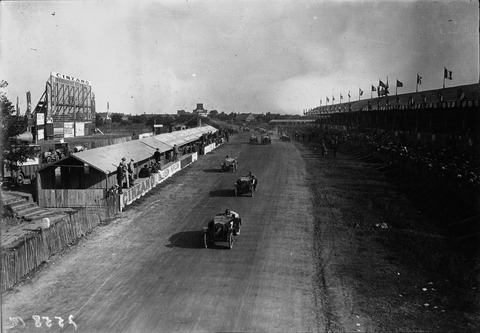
[
  {"x": 144, "y": 185},
  {"x": 38, "y": 246}
]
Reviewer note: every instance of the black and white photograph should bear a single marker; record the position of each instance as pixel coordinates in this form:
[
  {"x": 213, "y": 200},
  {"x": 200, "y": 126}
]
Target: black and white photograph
[{"x": 240, "y": 166}]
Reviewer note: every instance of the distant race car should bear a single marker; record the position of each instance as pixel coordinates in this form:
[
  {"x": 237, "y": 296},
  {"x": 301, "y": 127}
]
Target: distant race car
[
  {"x": 229, "y": 164},
  {"x": 266, "y": 140}
]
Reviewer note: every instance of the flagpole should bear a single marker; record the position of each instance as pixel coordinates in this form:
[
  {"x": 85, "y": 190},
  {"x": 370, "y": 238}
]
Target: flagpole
[
  {"x": 416, "y": 86},
  {"x": 444, "y": 70},
  {"x": 396, "y": 86}
]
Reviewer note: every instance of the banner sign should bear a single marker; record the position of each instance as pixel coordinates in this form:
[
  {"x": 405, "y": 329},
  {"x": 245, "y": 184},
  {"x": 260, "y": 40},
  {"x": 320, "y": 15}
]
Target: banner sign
[
  {"x": 209, "y": 148},
  {"x": 69, "y": 78},
  {"x": 68, "y": 130},
  {"x": 79, "y": 129},
  {"x": 40, "y": 119},
  {"x": 40, "y": 134}
]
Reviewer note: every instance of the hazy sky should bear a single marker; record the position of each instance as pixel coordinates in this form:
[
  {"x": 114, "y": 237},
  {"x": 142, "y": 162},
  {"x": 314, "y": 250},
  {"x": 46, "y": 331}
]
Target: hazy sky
[{"x": 279, "y": 56}]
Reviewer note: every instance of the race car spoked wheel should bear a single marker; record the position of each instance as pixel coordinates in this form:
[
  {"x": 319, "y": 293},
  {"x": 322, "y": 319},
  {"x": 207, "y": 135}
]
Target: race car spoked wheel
[
  {"x": 230, "y": 241},
  {"x": 236, "y": 230}
]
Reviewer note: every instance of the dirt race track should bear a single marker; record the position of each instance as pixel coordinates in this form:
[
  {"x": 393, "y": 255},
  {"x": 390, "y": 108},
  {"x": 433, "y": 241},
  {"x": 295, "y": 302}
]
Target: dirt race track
[{"x": 298, "y": 265}]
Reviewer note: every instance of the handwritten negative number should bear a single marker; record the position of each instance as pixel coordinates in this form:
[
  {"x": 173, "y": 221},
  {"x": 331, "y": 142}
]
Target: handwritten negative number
[{"x": 15, "y": 321}]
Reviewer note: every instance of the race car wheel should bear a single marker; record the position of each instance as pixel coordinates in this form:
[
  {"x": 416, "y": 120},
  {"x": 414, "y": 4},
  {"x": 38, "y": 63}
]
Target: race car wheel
[
  {"x": 237, "y": 227},
  {"x": 230, "y": 241},
  {"x": 251, "y": 191}
]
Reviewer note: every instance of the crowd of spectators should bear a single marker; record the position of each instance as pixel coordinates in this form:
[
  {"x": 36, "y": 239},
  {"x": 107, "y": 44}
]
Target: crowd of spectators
[{"x": 454, "y": 158}]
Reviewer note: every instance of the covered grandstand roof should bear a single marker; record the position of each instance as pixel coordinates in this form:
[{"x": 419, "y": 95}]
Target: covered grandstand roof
[
  {"x": 107, "y": 158},
  {"x": 464, "y": 94}
]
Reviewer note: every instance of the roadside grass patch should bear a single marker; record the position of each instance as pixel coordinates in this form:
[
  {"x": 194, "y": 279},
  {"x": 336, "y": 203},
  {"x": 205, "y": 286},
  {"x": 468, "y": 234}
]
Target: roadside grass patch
[{"x": 400, "y": 245}]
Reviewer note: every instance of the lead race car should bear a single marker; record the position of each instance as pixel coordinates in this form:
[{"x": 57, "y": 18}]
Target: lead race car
[{"x": 222, "y": 228}]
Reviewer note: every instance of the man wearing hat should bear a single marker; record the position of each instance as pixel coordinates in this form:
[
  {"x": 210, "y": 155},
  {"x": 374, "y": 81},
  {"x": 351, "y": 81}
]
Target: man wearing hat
[
  {"x": 131, "y": 171},
  {"x": 157, "y": 155},
  {"x": 121, "y": 174}
]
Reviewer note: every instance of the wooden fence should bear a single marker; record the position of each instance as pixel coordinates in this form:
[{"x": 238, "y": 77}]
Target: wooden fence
[
  {"x": 72, "y": 198},
  {"x": 36, "y": 247}
]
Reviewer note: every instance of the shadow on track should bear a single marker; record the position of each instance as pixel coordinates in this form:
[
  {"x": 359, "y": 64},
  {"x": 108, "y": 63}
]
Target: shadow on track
[
  {"x": 187, "y": 240},
  {"x": 223, "y": 193},
  {"x": 193, "y": 240},
  {"x": 213, "y": 170}
]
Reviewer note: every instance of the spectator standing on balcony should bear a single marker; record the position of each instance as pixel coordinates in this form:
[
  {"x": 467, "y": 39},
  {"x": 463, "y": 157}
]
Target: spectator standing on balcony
[
  {"x": 157, "y": 155},
  {"x": 175, "y": 152},
  {"x": 131, "y": 170},
  {"x": 121, "y": 174}
]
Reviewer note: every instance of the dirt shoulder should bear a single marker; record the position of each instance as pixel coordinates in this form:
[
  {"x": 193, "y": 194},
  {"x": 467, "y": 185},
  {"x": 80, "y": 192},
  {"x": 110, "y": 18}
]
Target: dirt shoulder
[{"x": 379, "y": 257}]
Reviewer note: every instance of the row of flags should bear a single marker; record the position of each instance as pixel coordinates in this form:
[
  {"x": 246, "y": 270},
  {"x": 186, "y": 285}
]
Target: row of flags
[
  {"x": 382, "y": 89},
  {"x": 390, "y": 101}
]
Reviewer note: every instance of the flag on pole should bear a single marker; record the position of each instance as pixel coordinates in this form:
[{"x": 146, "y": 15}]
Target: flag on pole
[
  {"x": 373, "y": 88},
  {"x": 328, "y": 100},
  {"x": 333, "y": 98},
  {"x": 381, "y": 84},
  {"x": 360, "y": 91},
  {"x": 447, "y": 74},
  {"x": 399, "y": 84},
  {"x": 419, "y": 79},
  {"x": 108, "y": 106},
  {"x": 341, "y": 97}
]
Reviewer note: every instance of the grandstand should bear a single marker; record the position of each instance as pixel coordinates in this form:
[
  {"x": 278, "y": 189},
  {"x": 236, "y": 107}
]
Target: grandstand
[
  {"x": 449, "y": 111},
  {"x": 466, "y": 96}
]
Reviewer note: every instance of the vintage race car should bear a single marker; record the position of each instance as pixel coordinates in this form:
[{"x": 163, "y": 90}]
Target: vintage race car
[
  {"x": 229, "y": 164},
  {"x": 223, "y": 227},
  {"x": 253, "y": 139},
  {"x": 285, "y": 137},
  {"x": 266, "y": 140},
  {"x": 247, "y": 184}
]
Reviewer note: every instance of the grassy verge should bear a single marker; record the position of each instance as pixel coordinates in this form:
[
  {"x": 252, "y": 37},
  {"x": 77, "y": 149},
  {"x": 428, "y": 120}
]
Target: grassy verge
[{"x": 409, "y": 270}]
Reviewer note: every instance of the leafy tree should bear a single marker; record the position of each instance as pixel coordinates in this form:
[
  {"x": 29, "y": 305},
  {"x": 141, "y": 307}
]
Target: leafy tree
[
  {"x": 15, "y": 152},
  {"x": 139, "y": 119},
  {"x": 117, "y": 117}
]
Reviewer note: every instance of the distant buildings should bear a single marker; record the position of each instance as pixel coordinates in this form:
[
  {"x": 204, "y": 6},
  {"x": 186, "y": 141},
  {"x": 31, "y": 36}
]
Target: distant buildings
[
  {"x": 200, "y": 110},
  {"x": 246, "y": 117}
]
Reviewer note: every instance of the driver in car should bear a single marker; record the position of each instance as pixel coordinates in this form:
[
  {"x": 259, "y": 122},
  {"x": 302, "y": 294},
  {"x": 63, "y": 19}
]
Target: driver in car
[
  {"x": 231, "y": 213},
  {"x": 255, "y": 181}
]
